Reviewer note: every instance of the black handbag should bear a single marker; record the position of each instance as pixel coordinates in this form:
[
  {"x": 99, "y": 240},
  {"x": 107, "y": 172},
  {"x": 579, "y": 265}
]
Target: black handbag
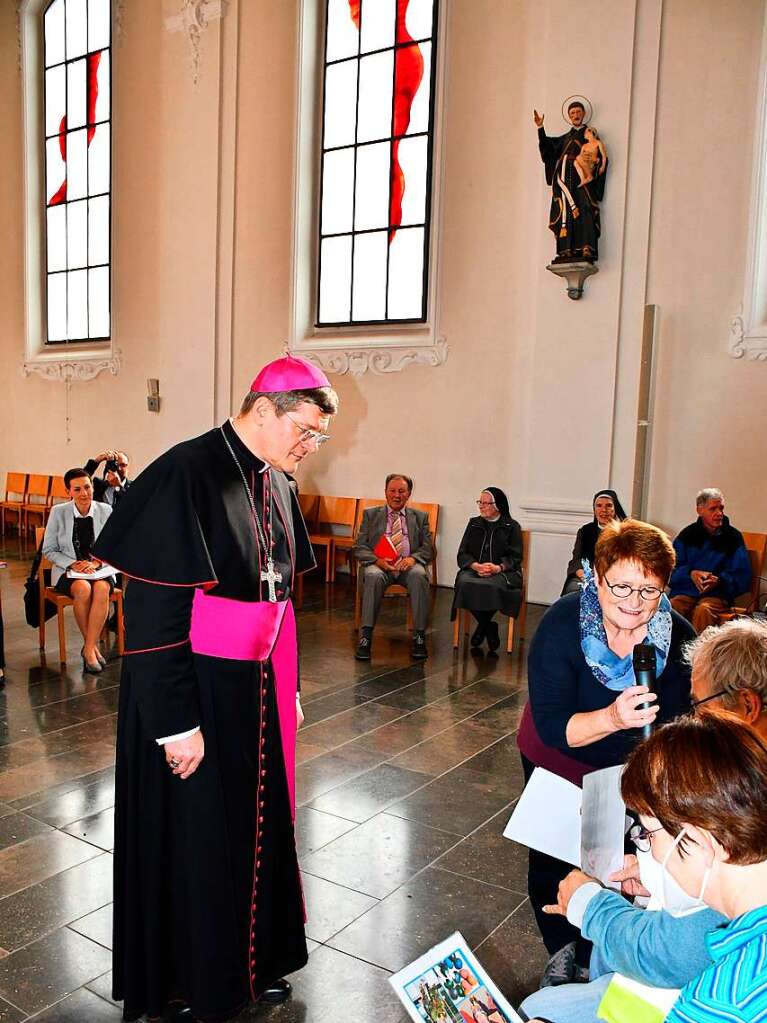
[{"x": 32, "y": 593}]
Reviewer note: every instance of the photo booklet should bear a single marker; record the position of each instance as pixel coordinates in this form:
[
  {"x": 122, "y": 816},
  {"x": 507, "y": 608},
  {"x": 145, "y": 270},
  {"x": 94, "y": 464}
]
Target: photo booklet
[{"x": 449, "y": 985}]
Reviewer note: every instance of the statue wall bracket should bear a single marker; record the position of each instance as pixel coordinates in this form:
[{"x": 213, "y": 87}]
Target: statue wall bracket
[{"x": 575, "y": 275}]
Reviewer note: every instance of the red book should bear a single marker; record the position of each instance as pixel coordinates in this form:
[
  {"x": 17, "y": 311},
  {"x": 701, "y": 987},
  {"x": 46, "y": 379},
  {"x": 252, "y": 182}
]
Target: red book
[{"x": 385, "y": 549}]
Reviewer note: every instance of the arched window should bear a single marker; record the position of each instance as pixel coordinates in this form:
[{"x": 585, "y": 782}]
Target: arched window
[
  {"x": 377, "y": 132},
  {"x": 77, "y": 140},
  {"x": 367, "y": 184}
]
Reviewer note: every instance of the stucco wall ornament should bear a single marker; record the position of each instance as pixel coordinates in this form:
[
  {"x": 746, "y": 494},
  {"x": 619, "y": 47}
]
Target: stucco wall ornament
[
  {"x": 377, "y": 360},
  {"x": 193, "y": 18},
  {"x": 73, "y": 369}
]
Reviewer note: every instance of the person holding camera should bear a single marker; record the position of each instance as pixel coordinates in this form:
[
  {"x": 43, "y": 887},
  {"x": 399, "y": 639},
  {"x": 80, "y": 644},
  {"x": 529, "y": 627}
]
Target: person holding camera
[{"x": 110, "y": 487}]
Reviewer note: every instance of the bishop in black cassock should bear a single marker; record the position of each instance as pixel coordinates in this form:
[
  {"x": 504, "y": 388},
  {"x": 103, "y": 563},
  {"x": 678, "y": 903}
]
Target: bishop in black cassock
[{"x": 208, "y": 904}]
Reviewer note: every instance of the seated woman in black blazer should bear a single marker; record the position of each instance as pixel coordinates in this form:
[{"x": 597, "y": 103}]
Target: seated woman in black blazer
[
  {"x": 490, "y": 568},
  {"x": 606, "y": 508}
]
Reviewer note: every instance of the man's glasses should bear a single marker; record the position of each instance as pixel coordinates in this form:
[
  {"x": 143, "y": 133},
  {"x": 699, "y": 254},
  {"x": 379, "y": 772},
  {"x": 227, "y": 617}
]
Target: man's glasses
[
  {"x": 642, "y": 836},
  {"x": 714, "y": 696},
  {"x": 306, "y": 434},
  {"x": 621, "y": 590}
]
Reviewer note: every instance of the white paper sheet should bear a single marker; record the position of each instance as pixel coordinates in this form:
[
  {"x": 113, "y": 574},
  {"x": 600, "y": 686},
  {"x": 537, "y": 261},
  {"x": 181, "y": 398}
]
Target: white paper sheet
[
  {"x": 603, "y": 824},
  {"x": 101, "y": 573},
  {"x": 548, "y": 817}
]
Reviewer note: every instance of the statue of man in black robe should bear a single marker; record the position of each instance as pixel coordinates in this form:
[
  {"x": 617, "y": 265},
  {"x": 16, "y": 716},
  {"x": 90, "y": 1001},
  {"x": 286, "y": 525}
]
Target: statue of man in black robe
[
  {"x": 209, "y": 912},
  {"x": 574, "y": 214}
]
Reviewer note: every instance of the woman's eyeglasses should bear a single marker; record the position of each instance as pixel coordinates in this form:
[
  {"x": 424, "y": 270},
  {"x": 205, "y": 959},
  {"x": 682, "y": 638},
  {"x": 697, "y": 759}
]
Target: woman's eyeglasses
[
  {"x": 621, "y": 590},
  {"x": 642, "y": 836},
  {"x": 486, "y": 504}
]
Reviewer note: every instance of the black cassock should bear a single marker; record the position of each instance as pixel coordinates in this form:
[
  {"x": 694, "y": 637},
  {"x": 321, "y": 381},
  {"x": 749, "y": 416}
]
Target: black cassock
[
  {"x": 208, "y": 902},
  {"x": 574, "y": 217}
]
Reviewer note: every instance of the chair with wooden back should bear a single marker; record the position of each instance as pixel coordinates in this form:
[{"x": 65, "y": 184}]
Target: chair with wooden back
[
  {"x": 15, "y": 496},
  {"x": 332, "y": 513},
  {"x": 756, "y": 546},
  {"x": 309, "y": 503},
  {"x": 463, "y": 617},
  {"x": 396, "y": 589},
  {"x": 59, "y": 493},
  {"x": 62, "y": 601},
  {"x": 36, "y": 504}
]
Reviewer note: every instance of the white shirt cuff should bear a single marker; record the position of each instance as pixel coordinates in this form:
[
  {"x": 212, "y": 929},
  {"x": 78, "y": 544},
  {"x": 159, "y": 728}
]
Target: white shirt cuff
[
  {"x": 177, "y": 738},
  {"x": 576, "y": 907}
]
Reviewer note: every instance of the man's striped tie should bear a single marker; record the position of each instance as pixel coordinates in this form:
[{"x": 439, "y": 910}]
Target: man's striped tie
[{"x": 396, "y": 531}]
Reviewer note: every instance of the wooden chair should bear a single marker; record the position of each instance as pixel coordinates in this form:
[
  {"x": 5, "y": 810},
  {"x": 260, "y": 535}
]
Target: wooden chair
[
  {"x": 756, "y": 545},
  {"x": 39, "y": 487},
  {"x": 59, "y": 493},
  {"x": 463, "y": 617},
  {"x": 332, "y": 512},
  {"x": 61, "y": 601},
  {"x": 309, "y": 504},
  {"x": 396, "y": 589},
  {"x": 15, "y": 496}
]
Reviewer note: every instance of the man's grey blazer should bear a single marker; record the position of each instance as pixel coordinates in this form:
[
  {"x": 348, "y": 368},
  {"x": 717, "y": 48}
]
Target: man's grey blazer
[
  {"x": 373, "y": 527},
  {"x": 57, "y": 542}
]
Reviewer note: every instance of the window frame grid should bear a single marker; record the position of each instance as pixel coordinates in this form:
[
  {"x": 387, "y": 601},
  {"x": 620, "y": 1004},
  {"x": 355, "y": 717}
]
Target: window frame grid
[
  {"x": 426, "y": 226},
  {"x": 47, "y": 273}
]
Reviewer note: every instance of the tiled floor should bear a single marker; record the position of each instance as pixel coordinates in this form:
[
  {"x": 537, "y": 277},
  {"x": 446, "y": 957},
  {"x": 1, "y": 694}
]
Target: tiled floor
[{"x": 407, "y": 775}]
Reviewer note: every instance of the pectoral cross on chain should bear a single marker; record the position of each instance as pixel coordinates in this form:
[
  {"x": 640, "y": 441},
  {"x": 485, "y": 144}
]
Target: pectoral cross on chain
[{"x": 271, "y": 577}]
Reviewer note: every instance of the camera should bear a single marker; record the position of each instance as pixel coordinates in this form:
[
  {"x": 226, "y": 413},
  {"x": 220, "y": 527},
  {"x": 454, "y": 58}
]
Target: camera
[{"x": 111, "y": 465}]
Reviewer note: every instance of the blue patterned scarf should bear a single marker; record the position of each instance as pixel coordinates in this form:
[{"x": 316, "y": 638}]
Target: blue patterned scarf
[{"x": 617, "y": 673}]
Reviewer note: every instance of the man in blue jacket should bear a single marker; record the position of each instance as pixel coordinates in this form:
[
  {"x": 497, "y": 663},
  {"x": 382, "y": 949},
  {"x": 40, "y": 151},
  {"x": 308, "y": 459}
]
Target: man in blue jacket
[{"x": 712, "y": 564}]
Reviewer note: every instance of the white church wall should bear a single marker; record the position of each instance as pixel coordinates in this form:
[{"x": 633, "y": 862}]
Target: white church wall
[{"x": 538, "y": 394}]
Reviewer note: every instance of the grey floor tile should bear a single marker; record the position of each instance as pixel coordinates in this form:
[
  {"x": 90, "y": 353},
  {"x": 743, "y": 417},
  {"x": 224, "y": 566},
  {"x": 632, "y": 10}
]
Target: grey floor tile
[
  {"x": 9, "y": 1013},
  {"x": 359, "y": 992},
  {"x": 81, "y": 801},
  {"x": 487, "y": 856},
  {"x": 330, "y": 770},
  {"x": 18, "y": 827},
  {"x": 330, "y": 907},
  {"x": 97, "y": 926},
  {"x": 364, "y": 796},
  {"x": 81, "y": 1007},
  {"x": 38, "y": 858},
  {"x": 514, "y": 955},
  {"x": 65, "y": 897},
  {"x": 102, "y": 986},
  {"x": 315, "y": 829},
  {"x": 459, "y": 802},
  {"x": 49, "y": 969},
  {"x": 421, "y": 913},
  {"x": 378, "y": 856},
  {"x": 98, "y": 829}
]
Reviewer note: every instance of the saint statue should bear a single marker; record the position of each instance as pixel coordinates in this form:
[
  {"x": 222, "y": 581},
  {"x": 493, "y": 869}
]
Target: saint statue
[{"x": 576, "y": 169}]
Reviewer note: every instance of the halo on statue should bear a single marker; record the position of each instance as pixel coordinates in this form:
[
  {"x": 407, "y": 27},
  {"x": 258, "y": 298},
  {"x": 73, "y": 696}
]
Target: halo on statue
[{"x": 586, "y": 106}]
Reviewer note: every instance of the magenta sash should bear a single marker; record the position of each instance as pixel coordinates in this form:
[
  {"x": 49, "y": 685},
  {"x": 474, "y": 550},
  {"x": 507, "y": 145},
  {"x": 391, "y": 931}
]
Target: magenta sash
[{"x": 241, "y": 631}]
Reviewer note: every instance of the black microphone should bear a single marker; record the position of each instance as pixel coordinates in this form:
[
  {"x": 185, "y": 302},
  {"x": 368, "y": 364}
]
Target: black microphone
[{"x": 644, "y": 672}]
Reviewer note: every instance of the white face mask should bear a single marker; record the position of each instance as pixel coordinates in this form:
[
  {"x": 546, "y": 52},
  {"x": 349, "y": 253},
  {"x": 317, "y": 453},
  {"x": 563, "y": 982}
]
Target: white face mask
[
  {"x": 675, "y": 899},
  {"x": 665, "y": 892}
]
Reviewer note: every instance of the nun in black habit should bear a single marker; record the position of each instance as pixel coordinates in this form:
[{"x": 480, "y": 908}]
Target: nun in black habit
[
  {"x": 489, "y": 568},
  {"x": 606, "y": 507}
]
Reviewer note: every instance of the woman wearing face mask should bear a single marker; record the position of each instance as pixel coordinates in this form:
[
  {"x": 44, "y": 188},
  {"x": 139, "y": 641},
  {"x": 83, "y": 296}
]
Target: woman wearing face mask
[
  {"x": 606, "y": 507},
  {"x": 585, "y": 711},
  {"x": 700, "y": 787}
]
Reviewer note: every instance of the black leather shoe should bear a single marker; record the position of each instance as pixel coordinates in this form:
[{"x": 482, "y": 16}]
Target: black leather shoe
[
  {"x": 277, "y": 992},
  {"x": 418, "y": 650},
  {"x": 493, "y": 638},
  {"x": 180, "y": 1014},
  {"x": 362, "y": 653},
  {"x": 478, "y": 636}
]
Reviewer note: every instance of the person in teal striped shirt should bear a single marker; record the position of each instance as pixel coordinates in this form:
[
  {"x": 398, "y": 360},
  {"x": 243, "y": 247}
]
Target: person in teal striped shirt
[{"x": 700, "y": 788}]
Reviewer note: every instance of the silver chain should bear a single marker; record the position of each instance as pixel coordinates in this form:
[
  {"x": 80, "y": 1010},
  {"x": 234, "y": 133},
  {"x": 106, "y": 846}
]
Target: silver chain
[{"x": 259, "y": 528}]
